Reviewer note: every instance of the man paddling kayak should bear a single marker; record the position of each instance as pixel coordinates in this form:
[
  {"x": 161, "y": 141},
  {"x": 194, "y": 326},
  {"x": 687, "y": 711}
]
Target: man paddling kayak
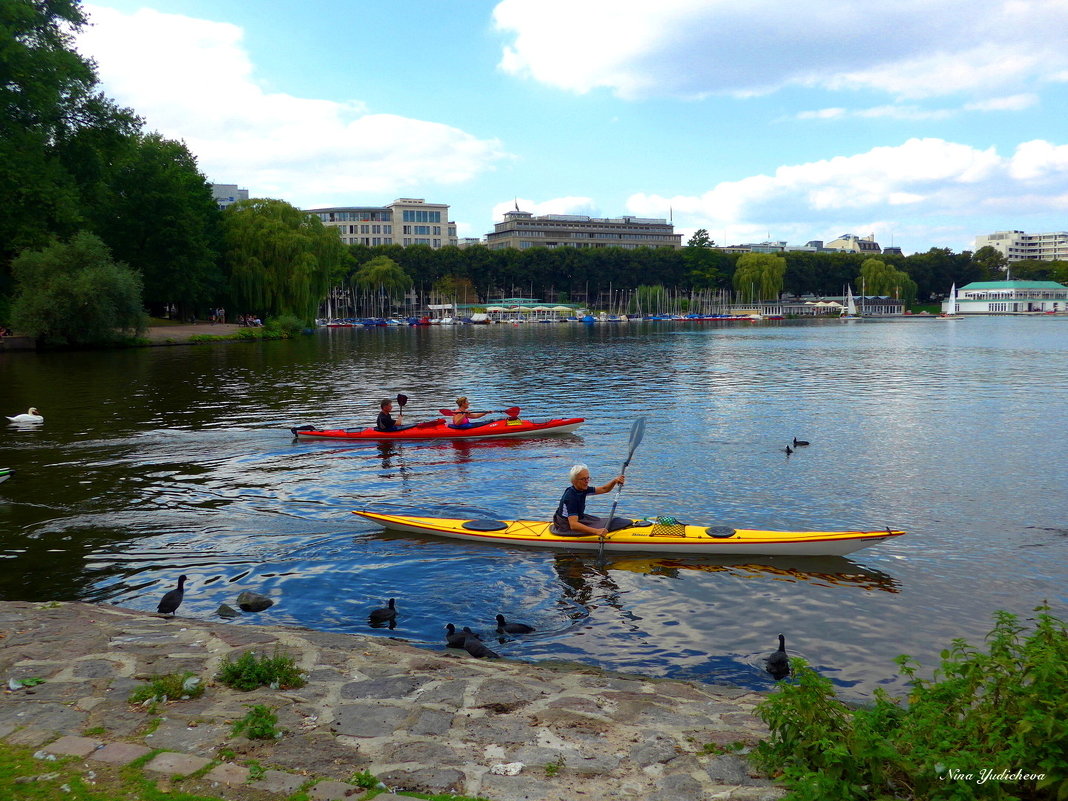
[
  {"x": 570, "y": 518},
  {"x": 385, "y": 420}
]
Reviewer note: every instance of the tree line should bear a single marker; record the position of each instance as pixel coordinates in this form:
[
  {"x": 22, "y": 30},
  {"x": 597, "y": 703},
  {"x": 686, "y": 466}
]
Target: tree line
[{"x": 104, "y": 221}]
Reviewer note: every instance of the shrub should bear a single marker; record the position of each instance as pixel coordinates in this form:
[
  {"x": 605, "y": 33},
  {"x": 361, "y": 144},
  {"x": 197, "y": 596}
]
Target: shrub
[
  {"x": 171, "y": 687},
  {"x": 288, "y": 325},
  {"x": 988, "y": 725},
  {"x": 259, "y": 724},
  {"x": 251, "y": 671},
  {"x": 74, "y": 293}
]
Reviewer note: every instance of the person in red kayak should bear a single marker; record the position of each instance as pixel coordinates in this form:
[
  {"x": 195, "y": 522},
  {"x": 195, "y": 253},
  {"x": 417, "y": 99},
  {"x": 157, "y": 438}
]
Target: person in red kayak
[
  {"x": 385, "y": 420},
  {"x": 570, "y": 518},
  {"x": 463, "y": 415}
]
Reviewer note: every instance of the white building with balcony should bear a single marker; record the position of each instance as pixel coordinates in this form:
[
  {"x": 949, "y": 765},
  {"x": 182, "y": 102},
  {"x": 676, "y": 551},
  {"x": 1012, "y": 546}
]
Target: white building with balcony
[
  {"x": 406, "y": 221},
  {"x": 1021, "y": 246}
]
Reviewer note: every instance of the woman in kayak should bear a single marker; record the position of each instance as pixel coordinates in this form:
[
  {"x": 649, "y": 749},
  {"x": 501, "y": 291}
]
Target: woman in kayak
[
  {"x": 385, "y": 420},
  {"x": 570, "y": 518},
  {"x": 462, "y": 417}
]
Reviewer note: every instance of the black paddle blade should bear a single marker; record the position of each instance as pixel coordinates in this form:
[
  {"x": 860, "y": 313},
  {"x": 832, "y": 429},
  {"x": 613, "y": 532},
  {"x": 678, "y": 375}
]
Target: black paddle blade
[
  {"x": 637, "y": 431},
  {"x": 402, "y": 399}
]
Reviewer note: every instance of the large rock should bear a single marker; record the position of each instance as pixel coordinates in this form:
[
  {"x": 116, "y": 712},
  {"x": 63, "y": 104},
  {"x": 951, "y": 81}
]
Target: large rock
[{"x": 253, "y": 602}]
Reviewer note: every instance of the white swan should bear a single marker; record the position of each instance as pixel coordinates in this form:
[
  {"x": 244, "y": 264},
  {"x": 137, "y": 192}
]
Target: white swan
[{"x": 30, "y": 417}]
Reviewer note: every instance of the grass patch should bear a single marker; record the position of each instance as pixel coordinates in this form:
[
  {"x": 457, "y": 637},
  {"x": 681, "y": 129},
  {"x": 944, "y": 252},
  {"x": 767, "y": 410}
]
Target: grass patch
[
  {"x": 251, "y": 671},
  {"x": 259, "y": 724},
  {"x": 553, "y": 768},
  {"x": 23, "y": 778},
  {"x": 989, "y": 724},
  {"x": 171, "y": 687}
]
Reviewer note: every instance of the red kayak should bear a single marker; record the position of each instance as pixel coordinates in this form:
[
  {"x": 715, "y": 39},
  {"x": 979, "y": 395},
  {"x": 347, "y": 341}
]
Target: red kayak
[{"x": 440, "y": 429}]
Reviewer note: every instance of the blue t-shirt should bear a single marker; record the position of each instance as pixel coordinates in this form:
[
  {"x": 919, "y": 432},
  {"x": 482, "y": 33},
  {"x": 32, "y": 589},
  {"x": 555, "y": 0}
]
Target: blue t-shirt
[{"x": 573, "y": 502}]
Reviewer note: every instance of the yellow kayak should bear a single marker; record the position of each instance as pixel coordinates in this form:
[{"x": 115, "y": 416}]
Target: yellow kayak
[{"x": 661, "y": 535}]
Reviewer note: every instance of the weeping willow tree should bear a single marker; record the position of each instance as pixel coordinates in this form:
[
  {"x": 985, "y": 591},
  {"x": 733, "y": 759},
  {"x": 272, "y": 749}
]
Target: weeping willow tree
[
  {"x": 281, "y": 258},
  {"x": 384, "y": 278},
  {"x": 881, "y": 278},
  {"x": 759, "y": 276}
]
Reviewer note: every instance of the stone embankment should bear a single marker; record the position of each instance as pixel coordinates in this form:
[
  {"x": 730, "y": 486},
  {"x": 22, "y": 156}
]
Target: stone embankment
[{"x": 418, "y": 720}]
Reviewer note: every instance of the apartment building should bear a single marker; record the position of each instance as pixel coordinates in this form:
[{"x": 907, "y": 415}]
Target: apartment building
[
  {"x": 851, "y": 243},
  {"x": 1018, "y": 245},
  {"x": 406, "y": 221},
  {"x": 227, "y": 194},
  {"x": 521, "y": 230}
]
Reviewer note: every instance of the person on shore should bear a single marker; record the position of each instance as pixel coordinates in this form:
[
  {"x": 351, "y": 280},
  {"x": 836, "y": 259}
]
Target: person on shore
[
  {"x": 385, "y": 420},
  {"x": 463, "y": 415},
  {"x": 570, "y": 518}
]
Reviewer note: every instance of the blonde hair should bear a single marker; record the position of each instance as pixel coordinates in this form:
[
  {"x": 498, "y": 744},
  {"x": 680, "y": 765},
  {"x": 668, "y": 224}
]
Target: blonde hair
[{"x": 461, "y": 401}]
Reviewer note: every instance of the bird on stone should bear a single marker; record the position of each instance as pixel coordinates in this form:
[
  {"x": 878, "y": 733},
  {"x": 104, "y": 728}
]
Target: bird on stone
[
  {"x": 778, "y": 664},
  {"x": 172, "y": 599},
  {"x": 385, "y": 616},
  {"x": 476, "y": 648},
  {"x": 503, "y": 627},
  {"x": 798, "y": 443},
  {"x": 30, "y": 416}
]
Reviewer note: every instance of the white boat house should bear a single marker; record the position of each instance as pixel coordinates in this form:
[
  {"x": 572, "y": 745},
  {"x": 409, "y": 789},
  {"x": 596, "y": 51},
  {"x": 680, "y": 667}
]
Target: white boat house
[{"x": 1011, "y": 297}]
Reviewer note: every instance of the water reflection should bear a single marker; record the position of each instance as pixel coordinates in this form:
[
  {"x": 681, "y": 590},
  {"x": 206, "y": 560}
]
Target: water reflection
[{"x": 825, "y": 571}]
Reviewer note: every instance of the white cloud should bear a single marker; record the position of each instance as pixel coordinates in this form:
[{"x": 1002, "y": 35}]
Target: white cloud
[
  {"x": 908, "y": 186},
  {"x": 191, "y": 79},
  {"x": 1009, "y": 103},
  {"x": 693, "y": 48},
  {"x": 1039, "y": 160}
]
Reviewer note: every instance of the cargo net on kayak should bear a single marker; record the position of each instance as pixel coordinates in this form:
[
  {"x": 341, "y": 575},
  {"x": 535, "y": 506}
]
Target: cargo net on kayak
[{"x": 668, "y": 526}]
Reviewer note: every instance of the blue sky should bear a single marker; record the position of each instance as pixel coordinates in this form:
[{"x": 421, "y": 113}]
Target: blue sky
[{"x": 925, "y": 122}]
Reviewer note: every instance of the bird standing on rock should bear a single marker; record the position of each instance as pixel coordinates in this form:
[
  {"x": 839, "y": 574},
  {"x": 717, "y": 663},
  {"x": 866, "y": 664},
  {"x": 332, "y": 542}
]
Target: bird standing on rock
[
  {"x": 778, "y": 664},
  {"x": 503, "y": 627},
  {"x": 172, "y": 599},
  {"x": 385, "y": 616}
]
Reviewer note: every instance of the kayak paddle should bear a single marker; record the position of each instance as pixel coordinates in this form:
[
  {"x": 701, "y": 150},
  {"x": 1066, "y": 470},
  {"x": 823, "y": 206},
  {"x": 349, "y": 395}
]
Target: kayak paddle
[
  {"x": 511, "y": 411},
  {"x": 637, "y": 431}
]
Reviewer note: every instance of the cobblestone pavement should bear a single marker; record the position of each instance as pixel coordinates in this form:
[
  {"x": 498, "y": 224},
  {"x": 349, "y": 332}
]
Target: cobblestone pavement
[{"x": 419, "y": 720}]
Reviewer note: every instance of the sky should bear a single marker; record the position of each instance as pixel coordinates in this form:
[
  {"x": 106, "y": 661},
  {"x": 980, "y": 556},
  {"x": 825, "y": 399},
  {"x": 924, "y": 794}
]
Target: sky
[{"x": 923, "y": 122}]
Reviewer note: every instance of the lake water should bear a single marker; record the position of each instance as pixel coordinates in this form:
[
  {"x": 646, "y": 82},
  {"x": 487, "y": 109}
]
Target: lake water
[{"x": 161, "y": 461}]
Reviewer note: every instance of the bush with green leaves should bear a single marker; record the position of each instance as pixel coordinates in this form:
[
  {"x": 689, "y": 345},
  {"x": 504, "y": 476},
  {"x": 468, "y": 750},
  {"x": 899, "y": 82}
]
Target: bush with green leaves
[
  {"x": 251, "y": 671},
  {"x": 288, "y": 325},
  {"x": 74, "y": 293},
  {"x": 170, "y": 687},
  {"x": 990, "y": 724},
  {"x": 259, "y": 724}
]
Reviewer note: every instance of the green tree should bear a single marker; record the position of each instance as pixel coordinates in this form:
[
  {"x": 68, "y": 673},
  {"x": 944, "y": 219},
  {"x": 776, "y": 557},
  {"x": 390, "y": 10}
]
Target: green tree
[
  {"x": 384, "y": 278},
  {"x": 281, "y": 259},
  {"x": 759, "y": 276},
  {"x": 991, "y": 262},
  {"x": 705, "y": 264},
  {"x": 880, "y": 278},
  {"x": 47, "y": 104},
  {"x": 158, "y": 215},
  {"x": 74, "y": 293}
]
